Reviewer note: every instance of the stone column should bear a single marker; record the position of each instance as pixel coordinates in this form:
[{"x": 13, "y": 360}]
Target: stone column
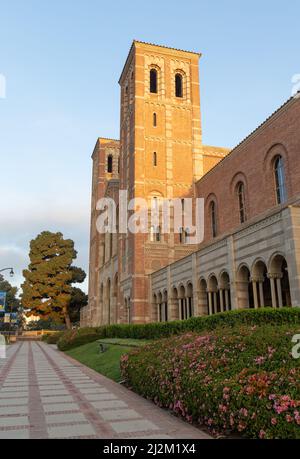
[
  {"x": 255, "y": 296},
  {"x": 174, "y": 308},
  {"x": 181, "y": 308},
  {"x": 210, "y": 303},
  {"x": 273, "y": 290},
  {"x": 227, "y": 299},
  {"x": 221, "y": 299},
  {"x": 261, "y": 293},
  {"x": 279, "y": 291},
  {"x": 216, "y": 302},
  {"x": 185, "y": 308}
]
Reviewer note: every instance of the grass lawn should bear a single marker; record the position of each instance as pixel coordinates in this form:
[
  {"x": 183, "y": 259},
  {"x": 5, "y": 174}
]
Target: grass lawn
[{"x": 108, "y": 363}]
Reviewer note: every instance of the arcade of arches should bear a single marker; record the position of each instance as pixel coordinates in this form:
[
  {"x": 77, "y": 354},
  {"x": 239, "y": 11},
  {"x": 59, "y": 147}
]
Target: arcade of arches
[{"x": 262, "y": 285}]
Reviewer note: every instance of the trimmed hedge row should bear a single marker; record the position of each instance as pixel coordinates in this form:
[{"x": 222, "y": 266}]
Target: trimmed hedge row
[
  {"x": 251, "y": 317},
  {"x": 52, "y": 338}
]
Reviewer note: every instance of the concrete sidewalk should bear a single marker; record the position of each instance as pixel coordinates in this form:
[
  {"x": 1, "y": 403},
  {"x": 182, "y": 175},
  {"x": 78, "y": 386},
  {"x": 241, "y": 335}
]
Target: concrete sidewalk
[{"x": 45, "y": 394}]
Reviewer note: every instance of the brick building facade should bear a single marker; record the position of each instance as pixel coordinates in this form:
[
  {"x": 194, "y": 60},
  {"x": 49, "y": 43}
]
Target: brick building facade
[{"x": 250, "y": 255}]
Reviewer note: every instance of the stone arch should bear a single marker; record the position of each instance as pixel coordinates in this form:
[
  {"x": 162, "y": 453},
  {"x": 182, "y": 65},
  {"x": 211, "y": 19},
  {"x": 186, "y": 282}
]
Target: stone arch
[
  {"x": 244, "y": 289},
  {"x": 278, "y": 270},
  {"x": 174, "y": 303},
  {"x": 203, "y": 297},
  {"x": 213, "y": 297},
  {"x": 182, "y": 301},
  {"x": 224, "y": 291},
  {"x": 212, "y": 282},
  {"x": 262, "y": 293}
]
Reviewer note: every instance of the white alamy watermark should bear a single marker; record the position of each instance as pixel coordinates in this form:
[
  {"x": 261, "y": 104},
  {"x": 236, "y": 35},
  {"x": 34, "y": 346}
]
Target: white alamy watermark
[
  {"x": 156, "y": 216},
  {"x": 296, "y": 348},
  {"x": 296, "y": 86},
  {"x": 2, "y": 87},
  {"x": 2, "y": 347}
]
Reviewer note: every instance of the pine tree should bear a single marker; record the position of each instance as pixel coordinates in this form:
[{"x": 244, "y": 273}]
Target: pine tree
[{"x": 47, "y": 290}]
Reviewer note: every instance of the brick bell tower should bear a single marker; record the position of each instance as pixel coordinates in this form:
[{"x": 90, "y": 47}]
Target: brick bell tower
[{"x": 161, "y": 156}]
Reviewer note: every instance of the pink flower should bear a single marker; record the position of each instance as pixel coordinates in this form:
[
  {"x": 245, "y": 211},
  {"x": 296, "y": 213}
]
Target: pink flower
[
  {"x": 242, "y": 426},
  {"x": 260, "y": 360},
  {"x": 274, "y": 421},
  {"x": 223, "y": 408},
  {"x": 262, "y": 434},
  {"x": 244, "y": 412}
]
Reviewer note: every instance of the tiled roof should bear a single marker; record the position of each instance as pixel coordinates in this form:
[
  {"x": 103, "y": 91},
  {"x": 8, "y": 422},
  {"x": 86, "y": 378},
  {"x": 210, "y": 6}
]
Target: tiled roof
[
  {"x": 166, "y": 47},
  {"x": 153, "y": 44}
]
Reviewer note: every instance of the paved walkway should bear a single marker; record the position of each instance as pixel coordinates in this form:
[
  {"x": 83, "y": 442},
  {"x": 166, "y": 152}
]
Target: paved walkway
[{"x": 45, "y": 394}]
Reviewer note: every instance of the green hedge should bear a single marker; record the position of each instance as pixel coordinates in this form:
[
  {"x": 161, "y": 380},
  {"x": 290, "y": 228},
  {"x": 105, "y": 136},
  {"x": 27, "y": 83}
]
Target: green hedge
[
  {"x": 52, "y": 338},
  {"x": 232, "y": 379},
  {"x": 152, "y": 331},
  {"x": 70, "y": 341}
]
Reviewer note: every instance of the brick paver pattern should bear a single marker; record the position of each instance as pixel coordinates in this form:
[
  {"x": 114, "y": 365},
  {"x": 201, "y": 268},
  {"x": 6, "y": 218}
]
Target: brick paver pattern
[{"x": 46, "y": 394}]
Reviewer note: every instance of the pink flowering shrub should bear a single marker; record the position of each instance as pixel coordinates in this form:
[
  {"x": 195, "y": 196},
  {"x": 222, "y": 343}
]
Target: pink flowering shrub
[{"x": 235, "y": 379}]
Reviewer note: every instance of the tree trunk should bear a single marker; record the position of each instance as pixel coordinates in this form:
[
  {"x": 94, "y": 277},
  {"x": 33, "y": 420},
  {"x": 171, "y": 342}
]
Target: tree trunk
[{"x": 68, "y": 321}]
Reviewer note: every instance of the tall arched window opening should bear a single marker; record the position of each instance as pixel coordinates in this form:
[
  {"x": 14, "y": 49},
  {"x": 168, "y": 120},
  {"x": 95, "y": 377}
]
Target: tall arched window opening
[
  {"x": 110, "y": 164},
  {"x": 280, "y": 180},
  {"x": 213, "y": 216},
  {"x": 178, "y": 85},
  {"x": 154, "y": 119},
  {"x": 153, "y": 81},
  {"x": 242, "y": 203}
]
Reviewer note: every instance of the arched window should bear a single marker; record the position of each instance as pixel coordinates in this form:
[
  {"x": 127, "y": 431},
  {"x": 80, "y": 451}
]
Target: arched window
[
  {"x": 158, "y": 234},
  {"x": 154, "y": 119},
  {"x": 242, "y": 203},
  {"x": 184, "y": 235},
  {"x": 178, "y": 85},
  {"x": 213, "y": 216},
  {"x": 110, "y": 164},
  {"x": 155, "y": 159},
  {"x": 280, "y": 180},
  {"x": 187, "y": 236},
  {"x": 155, "y": 234},
  {"x": 153, "y": 81}
]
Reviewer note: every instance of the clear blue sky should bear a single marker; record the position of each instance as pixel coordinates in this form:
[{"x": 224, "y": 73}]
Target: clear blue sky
[{"x": 62, "y": 60}]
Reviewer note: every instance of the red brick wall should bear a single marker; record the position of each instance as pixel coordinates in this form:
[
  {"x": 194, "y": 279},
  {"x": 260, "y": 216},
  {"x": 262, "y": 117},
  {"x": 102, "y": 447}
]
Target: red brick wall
[{"x": 251, "y": 162}]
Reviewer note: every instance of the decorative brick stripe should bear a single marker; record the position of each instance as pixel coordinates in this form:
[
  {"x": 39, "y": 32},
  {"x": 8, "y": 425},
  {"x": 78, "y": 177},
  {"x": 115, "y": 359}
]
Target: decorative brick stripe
[
  {"x": 38, "y": 426},
  {"x": 7, "y": 367},
  {"x": 102, "y": 429}
]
